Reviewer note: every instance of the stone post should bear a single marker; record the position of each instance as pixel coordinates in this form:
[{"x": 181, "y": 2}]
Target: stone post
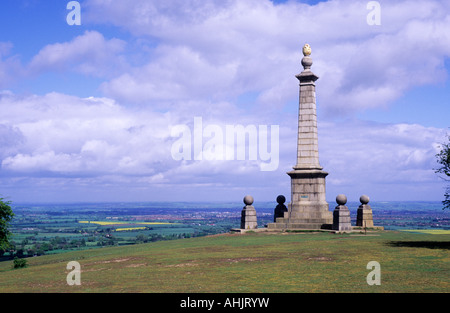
[
  {"x": 341, "y": 215},
  {"x": 280, "y": 208},
  {"x": 248, "y": 214},
  {"x": 364, "y": 217}
]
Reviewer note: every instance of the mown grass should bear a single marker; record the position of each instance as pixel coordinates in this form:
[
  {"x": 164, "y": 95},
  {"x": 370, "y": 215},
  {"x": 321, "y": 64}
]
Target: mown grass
[{"x": 254, "y": 262}]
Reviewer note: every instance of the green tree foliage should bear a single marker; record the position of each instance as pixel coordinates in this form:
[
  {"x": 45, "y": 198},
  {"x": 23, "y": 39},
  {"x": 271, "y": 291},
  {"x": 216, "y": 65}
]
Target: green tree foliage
[
  {"x": 443, "y": 158},
  {"x": 6, "y": 215},
  {"x": 19, "y": 263}
]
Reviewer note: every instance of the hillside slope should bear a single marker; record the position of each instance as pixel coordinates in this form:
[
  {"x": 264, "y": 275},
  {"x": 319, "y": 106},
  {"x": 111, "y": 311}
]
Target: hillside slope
[{"x": 252, "y": 262}]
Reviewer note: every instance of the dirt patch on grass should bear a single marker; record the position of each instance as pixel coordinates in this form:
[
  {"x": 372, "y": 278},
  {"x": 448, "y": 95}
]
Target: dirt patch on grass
[
  {"x": 95, "y": 269},
  {"x": 187, "y": 264},
  {"x": 247, "y": 260},
  {"x": 114, "y": 261},
  {"x": 136, "y": 265},
  {"x": 319, "y": 258}
]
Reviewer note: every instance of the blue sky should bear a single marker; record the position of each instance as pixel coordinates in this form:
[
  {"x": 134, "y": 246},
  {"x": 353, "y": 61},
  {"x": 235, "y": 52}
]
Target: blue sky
[{"x": 87, "y": 110}]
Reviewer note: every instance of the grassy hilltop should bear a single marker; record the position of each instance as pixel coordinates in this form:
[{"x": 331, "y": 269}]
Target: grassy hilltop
[{"x": 252, "y": 262}]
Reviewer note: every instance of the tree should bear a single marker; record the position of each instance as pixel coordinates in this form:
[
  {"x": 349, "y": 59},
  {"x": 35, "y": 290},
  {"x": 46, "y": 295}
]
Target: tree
[
  {"x": 443, "y": 158},
  {"x": 19, "y": 263},
  {"x": 6, "y": 215}
]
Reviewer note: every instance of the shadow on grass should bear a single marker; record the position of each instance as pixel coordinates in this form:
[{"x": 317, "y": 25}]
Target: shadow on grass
[{"x": 421, "y": 244}]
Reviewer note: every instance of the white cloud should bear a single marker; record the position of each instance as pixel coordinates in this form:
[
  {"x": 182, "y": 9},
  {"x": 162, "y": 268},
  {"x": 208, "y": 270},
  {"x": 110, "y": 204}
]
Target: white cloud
[
  {"x": 175, "y": 73},
  {"x": 367, "y": 156},
  {"x": 11, "y": 138},
  {"x": 228, "y": 48},
  {"x": 98, "y": 141},
  {"x": 230, "y": 62},
  {"x": 64, "y": 134},
  {"x": 11, "y": 68},
  {"x": 89, "y": 54}
]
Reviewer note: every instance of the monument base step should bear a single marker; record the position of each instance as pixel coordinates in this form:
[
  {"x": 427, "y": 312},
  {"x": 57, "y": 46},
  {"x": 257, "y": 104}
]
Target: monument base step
[
  {"x": 304, "y": 220},
  {"x": 299, "y": 226},
  {"x": 281, "y": 227}
]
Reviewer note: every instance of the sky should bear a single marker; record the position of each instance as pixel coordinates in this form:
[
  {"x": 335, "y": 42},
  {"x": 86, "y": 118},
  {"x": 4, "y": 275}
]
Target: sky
[{"x": 91, "y": 97}]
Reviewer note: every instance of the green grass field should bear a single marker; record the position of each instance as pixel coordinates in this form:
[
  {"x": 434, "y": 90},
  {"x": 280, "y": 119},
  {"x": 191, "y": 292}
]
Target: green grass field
[{"x": 252, "y": 262}]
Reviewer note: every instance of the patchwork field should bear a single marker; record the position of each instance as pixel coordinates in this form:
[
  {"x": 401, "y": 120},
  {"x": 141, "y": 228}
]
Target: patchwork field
[
  {"x": 103, "y": 223},
  {"x": 252, "y": 262},
  {"x": 429, "y": 231}
]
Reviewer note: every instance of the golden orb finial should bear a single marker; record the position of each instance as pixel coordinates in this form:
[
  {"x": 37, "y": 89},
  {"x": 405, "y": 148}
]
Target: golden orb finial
[{"x": 306, "y": 50}]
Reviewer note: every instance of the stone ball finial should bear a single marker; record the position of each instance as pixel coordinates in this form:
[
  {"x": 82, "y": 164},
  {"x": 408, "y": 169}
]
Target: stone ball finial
[
  {"x": 306, "y": 50},
  {"x": 307, "y": 62},
  {"x": 248, "y": 200},
  {"x": 341, "y": 199},
  {"x": 281, "y": 199},
  {"x": 364, "y": 199}
]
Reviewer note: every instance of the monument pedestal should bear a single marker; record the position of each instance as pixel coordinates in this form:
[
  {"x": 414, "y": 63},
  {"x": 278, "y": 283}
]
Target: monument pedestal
[
  {"x": 248, "y": 214},
  {"x": 341, "y": 215},
  {"x": 308, "y": 208}
]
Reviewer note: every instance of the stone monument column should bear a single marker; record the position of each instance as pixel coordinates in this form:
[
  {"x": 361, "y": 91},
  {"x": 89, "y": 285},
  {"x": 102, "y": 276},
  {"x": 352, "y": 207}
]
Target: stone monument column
[
  {"x": 307, "y": 141},
  {"x": 308, "y": 208}
]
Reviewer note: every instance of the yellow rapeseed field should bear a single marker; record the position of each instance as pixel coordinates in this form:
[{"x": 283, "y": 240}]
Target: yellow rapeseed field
[{"x": 129, "y": 228}]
